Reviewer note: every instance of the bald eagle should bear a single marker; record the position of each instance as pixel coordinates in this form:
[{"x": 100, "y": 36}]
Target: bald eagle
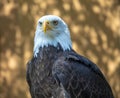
[{"x": 57, "y": 71}]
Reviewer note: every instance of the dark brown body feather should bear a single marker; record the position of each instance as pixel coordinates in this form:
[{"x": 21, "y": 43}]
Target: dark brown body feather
[{"x": 57, "y": 74}]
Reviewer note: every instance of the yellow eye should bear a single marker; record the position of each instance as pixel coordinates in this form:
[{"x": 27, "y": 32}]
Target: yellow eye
[{"x": 55, "y": 22}]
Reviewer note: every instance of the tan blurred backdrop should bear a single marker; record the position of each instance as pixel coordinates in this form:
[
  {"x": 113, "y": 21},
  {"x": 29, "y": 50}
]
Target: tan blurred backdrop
[{"x": 95, "y": 32}]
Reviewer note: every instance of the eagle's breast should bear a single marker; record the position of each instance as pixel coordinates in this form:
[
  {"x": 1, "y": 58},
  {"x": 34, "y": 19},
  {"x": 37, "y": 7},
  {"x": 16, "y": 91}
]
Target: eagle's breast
[{"x": 41, "y": 72}]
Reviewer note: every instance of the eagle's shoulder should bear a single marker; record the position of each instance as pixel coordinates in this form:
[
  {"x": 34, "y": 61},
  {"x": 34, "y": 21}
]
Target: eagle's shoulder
[
  {"x": 71, "y": 59},
  {"x": 77, "y": 73},
  {"x": 74, "y": 74}
]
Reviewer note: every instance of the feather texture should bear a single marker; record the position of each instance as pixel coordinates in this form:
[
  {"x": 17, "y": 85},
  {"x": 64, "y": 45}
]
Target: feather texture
[
  {"x": 65, "y": 74},
  {"x": 56, "y": 71}
]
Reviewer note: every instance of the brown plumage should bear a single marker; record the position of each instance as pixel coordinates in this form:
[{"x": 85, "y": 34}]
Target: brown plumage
[{"x": 59, "y": 72}]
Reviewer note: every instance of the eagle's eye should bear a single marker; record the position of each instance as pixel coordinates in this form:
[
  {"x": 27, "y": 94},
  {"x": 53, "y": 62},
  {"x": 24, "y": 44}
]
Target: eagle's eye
[
  {"x": 55, "y": 22},
  {"x": 40, "y": 23}
]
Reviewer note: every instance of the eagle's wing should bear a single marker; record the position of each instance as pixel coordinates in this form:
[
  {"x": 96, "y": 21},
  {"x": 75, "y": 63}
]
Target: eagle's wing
[
  {"x": 80, "y": 78},
  {"x": 28, "y": 77},
  {"x": 29, "y": 70},
  {"x": 28, "y": 73}
]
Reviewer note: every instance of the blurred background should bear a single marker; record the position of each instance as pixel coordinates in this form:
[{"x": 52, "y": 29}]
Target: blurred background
[{"x": 95, "y": 33}]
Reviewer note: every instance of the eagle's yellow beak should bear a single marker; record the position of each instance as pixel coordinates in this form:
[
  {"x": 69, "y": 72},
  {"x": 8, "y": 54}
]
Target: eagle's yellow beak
[{"x": 46, "y": 26}]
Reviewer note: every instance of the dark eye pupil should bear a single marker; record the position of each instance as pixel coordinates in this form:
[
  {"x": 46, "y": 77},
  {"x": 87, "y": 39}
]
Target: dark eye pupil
[
  {"x": 40, "y": 23},
  {"x": 55, "y": 22}
]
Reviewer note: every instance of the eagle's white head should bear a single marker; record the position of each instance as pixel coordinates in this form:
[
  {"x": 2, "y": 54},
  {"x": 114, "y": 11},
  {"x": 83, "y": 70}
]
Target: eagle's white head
[{"x": 51, "y": 30}]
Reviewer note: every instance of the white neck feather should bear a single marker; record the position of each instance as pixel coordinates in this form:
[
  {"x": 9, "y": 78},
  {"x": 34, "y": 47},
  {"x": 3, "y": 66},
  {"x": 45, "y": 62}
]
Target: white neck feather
[{"x": 42, "y": 40}]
